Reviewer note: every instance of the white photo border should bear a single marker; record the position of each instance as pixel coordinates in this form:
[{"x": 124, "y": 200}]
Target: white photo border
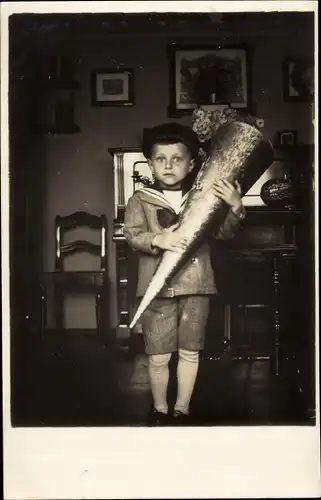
[{"x": 266, "y": 462}]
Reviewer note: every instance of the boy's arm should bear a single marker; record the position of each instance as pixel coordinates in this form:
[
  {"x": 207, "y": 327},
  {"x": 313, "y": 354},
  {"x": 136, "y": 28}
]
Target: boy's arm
[
  {"x": 231, "y": 224},
  {"x": 135, "y": 228},
  {"x": 230, "y": 194}
]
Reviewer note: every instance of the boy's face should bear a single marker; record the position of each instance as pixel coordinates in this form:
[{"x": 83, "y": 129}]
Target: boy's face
[{"x": 170, "y": 164}]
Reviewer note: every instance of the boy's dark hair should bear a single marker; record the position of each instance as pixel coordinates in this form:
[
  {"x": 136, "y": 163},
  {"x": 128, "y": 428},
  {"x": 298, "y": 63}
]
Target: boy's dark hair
[{"x": 169, "y": 133}]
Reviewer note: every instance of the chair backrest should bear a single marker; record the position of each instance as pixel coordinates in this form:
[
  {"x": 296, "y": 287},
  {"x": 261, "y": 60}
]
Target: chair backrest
[{"x": 76, "y": 220}]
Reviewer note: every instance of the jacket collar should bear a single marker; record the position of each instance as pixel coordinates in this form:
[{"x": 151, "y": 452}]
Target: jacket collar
[{"x": 156, "y": 197}]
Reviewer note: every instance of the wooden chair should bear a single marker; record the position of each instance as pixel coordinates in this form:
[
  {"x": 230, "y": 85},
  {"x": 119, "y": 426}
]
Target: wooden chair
[{"x": 78, "y": 281}]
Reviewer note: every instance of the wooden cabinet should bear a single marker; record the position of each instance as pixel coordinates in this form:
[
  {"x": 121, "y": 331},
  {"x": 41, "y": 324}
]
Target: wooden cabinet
[{"x": 129, "y": 166}]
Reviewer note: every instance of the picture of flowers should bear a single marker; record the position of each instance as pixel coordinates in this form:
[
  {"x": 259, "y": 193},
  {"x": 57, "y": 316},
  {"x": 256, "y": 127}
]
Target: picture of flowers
[{"x": 212, "y": 77}]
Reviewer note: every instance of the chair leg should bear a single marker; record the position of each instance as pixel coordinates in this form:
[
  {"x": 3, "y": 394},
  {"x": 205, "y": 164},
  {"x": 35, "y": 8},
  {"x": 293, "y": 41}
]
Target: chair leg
[
  {"x": 227, "y": 322},
  {"x": 98, "y": 314}
]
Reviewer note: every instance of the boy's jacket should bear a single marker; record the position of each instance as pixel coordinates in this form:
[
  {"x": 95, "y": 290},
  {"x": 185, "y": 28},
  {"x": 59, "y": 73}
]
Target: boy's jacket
[{"x": 147, "y": 213}]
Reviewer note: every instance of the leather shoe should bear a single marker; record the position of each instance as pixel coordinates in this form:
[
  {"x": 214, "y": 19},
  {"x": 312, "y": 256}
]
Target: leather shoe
[
  {"x": 180, "y": 419},
  {"x": 158, "y": 418}
]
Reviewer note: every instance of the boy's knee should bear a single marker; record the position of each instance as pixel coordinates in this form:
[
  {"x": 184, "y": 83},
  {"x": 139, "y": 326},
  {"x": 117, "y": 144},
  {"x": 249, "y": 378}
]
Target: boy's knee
[
  {"x": 159, "y": 359},
  {"x": 190, "y": 356}
]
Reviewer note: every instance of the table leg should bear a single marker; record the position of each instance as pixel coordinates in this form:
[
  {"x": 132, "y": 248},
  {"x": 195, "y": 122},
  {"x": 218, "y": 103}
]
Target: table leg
[
  {"x": 59, "y": 308},
  {"x": 276, "y": 312},
  {"x": 43, "y": 311}
]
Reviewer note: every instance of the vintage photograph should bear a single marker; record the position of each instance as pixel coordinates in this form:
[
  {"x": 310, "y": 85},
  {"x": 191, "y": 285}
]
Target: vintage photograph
[
  {"x": 215, "y": 77},
  {"x": 162, "y": 254},
  {"x": 81, "y": 254}
]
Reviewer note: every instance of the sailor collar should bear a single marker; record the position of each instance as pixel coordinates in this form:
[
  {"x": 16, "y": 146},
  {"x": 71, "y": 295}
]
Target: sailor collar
[{"x": 154, "y": 194}]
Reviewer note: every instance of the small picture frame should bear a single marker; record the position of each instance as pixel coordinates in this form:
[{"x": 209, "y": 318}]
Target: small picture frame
[
  {"x": 296, "y": 77},
  {"x": 112, "y": 87},
  {"x": 286, "y": 138}
]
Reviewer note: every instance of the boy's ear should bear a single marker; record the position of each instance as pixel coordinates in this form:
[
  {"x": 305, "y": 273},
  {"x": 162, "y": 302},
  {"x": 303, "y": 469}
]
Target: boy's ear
[
  {"x": 191, "y": 164},
  {"x": 152, "y": 169}
]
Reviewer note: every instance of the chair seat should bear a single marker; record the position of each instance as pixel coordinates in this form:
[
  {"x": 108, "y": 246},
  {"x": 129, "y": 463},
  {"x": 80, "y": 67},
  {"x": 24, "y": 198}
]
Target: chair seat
[{"x": 76, "y": 279}]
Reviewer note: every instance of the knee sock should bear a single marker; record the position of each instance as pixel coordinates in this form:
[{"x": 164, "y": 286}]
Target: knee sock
[
  {"x": 159, "y": 376},
  {"x": 187, "y": 369}
]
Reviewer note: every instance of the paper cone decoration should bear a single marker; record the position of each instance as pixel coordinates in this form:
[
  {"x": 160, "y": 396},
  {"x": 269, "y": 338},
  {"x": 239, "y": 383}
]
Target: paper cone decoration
[{"x": 238, "y": 152}]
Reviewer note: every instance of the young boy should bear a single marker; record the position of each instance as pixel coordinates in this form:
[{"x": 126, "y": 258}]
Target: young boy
[{"x": 176, "y": 319}]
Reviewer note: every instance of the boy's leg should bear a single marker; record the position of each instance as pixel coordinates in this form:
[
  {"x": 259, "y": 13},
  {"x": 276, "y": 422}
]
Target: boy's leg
[
  {"x": 187, "y": 369},
  {"x": 193, "y": 314},
  {"x": 159, "y": 376},
  {"x": 159, "y": 325}
]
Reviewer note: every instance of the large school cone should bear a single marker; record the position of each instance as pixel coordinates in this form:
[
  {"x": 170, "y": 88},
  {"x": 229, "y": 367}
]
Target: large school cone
[{"x": 238, "y": 152}]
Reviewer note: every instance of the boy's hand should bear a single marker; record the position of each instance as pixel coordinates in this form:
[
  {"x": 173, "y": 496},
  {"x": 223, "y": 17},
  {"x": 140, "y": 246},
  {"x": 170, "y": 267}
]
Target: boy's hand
[
  {"x": 224, "y": 190},
  {"x": 169, "y": 240}
]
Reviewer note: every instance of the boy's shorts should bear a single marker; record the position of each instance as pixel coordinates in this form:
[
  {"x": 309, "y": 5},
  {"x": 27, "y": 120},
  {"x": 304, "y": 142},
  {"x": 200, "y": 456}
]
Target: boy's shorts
[{"x": 169, "y": 324}]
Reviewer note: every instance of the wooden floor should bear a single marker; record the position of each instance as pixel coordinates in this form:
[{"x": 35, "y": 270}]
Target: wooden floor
[{"x": 77, "y": 381}]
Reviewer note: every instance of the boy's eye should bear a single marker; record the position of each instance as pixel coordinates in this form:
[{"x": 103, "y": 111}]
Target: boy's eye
[
  {"x": 160, "y": 158},
  {"x": 177, "y": 158}
]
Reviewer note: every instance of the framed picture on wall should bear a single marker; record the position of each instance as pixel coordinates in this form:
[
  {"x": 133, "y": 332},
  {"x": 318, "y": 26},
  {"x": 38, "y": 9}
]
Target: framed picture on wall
[
  {"x": 286, "y": 138},
  {"x": 298, "y": 81},
  {"x": 112, "y": 87},
  {"x": 211, "y": 76}
]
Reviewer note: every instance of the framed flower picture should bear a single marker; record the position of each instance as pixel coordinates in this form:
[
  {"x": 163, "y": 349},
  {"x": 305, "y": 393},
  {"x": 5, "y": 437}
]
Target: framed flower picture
[
  {"x": 112, "y": 87},
  {"x": 214, "y": 77}
]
